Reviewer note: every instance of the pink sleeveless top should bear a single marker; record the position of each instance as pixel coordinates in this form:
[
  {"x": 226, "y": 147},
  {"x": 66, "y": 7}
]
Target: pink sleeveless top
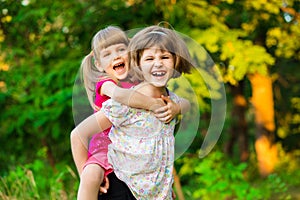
[{"x": 98, "y": 145}]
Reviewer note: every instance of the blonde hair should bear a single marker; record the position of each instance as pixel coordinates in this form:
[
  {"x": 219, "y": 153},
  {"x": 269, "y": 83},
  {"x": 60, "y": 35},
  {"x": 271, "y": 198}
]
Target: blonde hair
[
  {"x": 90, "y": 73},
  {"x": 165, "y": 39}
]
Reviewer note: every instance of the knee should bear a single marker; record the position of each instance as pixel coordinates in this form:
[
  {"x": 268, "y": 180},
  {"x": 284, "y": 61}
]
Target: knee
[{"x": 92, "y": 174}]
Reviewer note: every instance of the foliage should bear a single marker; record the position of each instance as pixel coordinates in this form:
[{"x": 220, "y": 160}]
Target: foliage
[
  {"x": 217, "y": 177},
  {"x": 37, "y": 95},
  {"x": 27, "y": 182},
  {"x": 274, "y": 186},
  {"x": 43, "y": 42}
]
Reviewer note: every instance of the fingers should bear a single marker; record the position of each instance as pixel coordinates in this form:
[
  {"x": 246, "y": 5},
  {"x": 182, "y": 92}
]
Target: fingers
[
  {"x": 166, "y": 113},
  {"x": 159, "y": 103},
  {"x": 165, "y": 108},
  {"x": 165, "y": 117},
  {"x": 104, "y": 188},
  {"x": 166, "y": 98},
  {"x": 162, "y": 111}
]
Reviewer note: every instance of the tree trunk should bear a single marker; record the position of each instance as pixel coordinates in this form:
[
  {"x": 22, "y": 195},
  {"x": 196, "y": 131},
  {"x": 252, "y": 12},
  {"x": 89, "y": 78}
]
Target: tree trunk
[
  {"x": 262, "y": 101},
  {"x": 49, "y": 153},
  {"x": 239, "y": 130},
  {"x": 177, "y": 186}
]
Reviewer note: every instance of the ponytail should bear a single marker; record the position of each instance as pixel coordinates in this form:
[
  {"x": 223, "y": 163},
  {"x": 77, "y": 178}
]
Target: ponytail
[{"x": 90, "y": 76}]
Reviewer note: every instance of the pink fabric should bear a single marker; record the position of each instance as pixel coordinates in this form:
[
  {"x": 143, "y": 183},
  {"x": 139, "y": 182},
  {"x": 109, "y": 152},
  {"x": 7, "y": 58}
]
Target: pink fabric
[
  {"x": 98, "y": 145},
  {"x": 127, "y": 84}
]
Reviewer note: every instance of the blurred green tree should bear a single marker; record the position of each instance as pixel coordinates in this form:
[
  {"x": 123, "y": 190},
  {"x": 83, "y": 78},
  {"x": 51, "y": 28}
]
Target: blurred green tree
[
  {"x": 254, "y": 43},
  {"x": 247, "y": 39},
  {"x": 42, "y": 44}
]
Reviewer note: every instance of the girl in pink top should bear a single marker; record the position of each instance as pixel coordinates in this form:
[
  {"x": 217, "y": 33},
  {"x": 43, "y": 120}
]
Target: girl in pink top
[{"x": 103, "y": 70}]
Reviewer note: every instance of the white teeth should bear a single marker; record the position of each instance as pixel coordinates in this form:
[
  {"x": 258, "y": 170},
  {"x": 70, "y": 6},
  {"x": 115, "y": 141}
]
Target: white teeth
[
  {"x": 118, "y": 65},
  {"x": 158, "y": 73}
]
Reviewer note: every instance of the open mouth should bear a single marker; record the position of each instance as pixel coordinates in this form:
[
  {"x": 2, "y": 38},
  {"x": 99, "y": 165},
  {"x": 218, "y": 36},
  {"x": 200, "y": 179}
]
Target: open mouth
[
  {"x": 158, "y": 74},
  {"x": 119, "y": 66}
]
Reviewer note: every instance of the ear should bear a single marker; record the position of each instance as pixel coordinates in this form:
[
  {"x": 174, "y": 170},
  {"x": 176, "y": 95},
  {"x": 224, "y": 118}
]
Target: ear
[{"x": 96, "y": 63}]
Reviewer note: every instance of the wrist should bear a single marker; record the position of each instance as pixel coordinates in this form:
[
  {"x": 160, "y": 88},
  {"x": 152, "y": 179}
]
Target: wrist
[
  {"x": 152, "y": 105},
  {"x": 155, "y": 104}
]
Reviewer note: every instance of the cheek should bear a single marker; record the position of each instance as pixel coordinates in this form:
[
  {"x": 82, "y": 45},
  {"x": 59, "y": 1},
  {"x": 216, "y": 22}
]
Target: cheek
[
  {"x": 125, "y": 56},
  {"x": 171, "y": 67},
  {"x": 142, "y": 67},
  {"x": 145, "y": 72},
  {"x": 106, "y": 67},
  {"x": 171, "y": 70}
]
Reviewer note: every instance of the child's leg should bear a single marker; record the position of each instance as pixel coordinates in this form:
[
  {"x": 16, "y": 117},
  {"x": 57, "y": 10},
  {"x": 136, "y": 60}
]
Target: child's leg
[{"x": 90, "y": 181}]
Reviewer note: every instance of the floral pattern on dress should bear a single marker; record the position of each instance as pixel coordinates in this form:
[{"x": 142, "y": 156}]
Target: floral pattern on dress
[{"x": 142, "y": 150}]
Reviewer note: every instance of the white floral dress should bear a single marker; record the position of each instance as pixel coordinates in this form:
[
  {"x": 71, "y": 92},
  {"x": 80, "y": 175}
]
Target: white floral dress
[{"x": 142, "y": 150}]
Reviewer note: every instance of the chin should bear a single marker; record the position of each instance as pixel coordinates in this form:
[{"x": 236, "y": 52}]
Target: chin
[
  {"x": 158, "y": 84},
  {"x": 121, "y": 77}
]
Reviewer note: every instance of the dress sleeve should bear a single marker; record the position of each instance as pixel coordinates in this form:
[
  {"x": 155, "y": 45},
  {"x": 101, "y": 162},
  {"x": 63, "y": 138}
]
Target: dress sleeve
[
  {"x": 174, "y": 97},
  {"x": 117, "y": 113}
]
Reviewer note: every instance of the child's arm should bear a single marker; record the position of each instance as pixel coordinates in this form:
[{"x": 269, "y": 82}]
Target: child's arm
[
  {"x": 81, "y": 134},
  {"x": 171, "y": 110},
  {"x": 164, "y": 108},
  {"x": 130, "y": 97}
]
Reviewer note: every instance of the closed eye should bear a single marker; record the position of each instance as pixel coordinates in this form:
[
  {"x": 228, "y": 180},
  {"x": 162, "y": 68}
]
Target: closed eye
[
  {"x": 148, "y": 58},
  {"x": 105, "y": 54},
  {"x": 166, "y": 55},
  {"x": 122, "y": 49}
]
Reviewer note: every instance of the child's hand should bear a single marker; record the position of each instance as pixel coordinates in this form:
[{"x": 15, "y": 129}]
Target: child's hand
[
  {"x": 168, "y": 112},
  {"x": 104, "y": 186},
  {"x": 158, "y": 103}
]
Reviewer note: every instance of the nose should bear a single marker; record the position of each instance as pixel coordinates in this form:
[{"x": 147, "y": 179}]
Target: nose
[
  {"x": 116, "y": 55},
  {"x": 157, "y": 62}
]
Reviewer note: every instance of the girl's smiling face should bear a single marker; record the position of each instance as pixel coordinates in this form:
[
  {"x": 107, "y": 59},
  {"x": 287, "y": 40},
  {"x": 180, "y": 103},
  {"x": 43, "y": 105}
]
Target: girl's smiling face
[
  {"x": 114, "y": 61},
  {"x": 157, "y": 66}
]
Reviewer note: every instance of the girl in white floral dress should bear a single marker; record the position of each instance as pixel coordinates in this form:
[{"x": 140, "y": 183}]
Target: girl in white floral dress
[{"x": 142, "y": 148}]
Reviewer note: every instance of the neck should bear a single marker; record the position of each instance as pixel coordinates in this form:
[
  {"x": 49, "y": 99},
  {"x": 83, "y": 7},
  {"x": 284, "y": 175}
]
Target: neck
[{"x": 150, "y": 90}]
